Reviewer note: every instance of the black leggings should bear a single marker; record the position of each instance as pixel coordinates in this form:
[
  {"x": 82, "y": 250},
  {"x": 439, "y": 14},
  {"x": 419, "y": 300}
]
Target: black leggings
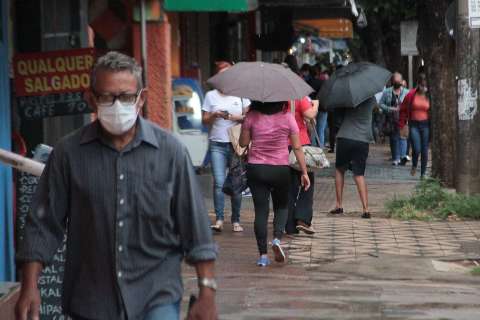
[{"x": 264, "y": 180}]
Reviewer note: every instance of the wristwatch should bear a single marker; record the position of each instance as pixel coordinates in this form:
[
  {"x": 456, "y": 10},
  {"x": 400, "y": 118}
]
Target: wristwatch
[{"x": 208, "y": 283}]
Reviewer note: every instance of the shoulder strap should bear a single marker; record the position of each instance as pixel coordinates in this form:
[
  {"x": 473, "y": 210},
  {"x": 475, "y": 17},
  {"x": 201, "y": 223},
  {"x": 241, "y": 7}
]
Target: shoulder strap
[{"x": 292, "y": 106}]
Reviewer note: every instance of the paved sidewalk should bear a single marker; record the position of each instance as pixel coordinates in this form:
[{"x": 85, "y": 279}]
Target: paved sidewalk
[{"x": 352, "y": 268}]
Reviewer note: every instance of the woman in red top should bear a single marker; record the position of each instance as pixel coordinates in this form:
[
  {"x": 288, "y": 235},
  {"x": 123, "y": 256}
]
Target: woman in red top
[
  {"x": 415, "y": 111},
  {"x": 300, "y": 208},
  {"x": 300, "y": 202}
]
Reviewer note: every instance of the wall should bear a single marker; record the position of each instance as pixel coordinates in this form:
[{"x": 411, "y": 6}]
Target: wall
[{"x": 7, "y": 272}]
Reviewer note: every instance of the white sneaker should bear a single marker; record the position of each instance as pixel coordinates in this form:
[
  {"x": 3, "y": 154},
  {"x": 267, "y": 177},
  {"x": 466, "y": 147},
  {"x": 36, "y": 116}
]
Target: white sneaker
[
  {"x": 237, "y": 227},
  {"x": 408, "y": 158},
  {"x": 218, "y": 226}
]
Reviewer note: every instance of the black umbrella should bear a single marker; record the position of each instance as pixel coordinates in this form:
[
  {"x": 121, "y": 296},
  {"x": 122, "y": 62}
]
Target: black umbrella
[{"x": 353, "y": 84}]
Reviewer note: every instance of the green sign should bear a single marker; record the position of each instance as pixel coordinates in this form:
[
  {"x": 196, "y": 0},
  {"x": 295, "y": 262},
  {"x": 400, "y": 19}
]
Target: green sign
[{"x": 211, "y": 5}]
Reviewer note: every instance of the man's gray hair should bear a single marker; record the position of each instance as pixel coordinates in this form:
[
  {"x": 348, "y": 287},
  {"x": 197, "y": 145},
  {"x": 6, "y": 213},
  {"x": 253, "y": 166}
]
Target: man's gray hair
[{"x": 115, "y": 61}]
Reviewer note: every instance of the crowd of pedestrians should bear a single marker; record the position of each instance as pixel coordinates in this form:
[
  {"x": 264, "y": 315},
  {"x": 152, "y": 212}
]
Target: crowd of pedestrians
[
  {"x": 271, "y": 130},
  {"x": 126, "y": 194}
]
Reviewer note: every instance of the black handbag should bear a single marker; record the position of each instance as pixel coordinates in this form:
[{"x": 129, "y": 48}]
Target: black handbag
[{"x": 236, "y": 180}]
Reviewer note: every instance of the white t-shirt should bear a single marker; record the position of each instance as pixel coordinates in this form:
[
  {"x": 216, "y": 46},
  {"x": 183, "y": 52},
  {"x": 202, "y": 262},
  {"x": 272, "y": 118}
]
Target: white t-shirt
[{"x": 215, "y": 101}]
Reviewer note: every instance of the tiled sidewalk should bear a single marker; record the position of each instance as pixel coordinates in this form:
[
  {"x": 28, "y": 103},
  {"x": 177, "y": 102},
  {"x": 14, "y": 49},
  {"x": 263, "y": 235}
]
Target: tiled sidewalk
[{"x": 346, "y": 238}]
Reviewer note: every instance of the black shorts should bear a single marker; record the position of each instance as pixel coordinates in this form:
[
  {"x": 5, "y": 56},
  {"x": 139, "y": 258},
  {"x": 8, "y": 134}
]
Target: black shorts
[{"x": 352, "y": 155}]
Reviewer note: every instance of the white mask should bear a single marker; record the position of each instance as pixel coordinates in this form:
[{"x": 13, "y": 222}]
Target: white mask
[{"x": 118, "y": 118}]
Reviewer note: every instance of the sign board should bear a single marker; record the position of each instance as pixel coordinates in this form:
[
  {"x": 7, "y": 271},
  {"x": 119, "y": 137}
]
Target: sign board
[
  {"x": 408, "y": 31},
  {"x": 51, "y": 279},
  {"x": 52, "y": 105},
  {"x": 467, "y": 100},
  {"x": 42, "y": 73},
  {"x": 474, "y": 13},
  {"x": 329, "y": 28},
  {"x": 49, "y": 84}
]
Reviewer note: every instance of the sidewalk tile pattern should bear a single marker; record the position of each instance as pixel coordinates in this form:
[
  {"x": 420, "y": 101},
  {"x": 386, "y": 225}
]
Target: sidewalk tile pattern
[{"x": 345, "y": 238}]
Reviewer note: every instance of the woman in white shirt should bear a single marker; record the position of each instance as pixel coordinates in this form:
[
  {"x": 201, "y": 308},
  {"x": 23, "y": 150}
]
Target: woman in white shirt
[{"x": 220, "y": 112}]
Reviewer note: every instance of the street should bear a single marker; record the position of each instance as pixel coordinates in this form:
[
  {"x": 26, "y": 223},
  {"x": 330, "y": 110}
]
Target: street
[{"x": 351, "y": 268}]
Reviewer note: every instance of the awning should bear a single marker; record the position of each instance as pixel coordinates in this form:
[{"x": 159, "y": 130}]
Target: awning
[
  {"x": 303, "y": 3},
  {"x": 210, "y": 5}
]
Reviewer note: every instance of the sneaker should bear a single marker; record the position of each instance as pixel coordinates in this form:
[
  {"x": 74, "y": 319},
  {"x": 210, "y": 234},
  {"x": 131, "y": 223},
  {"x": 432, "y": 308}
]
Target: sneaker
[
  {"x": 278, "y": 251},
  {"x": 247, "y": 193},
  {"x": 218, "y": 226},
  {"x": 301, "y": 226},
  {"x": 395, "y": 163},
  {"x": 408, "y": 158},
  {"x": 404, "y": 161},
  {"x": 263, "y": 261},
  {"x": 237, "y": 227}
]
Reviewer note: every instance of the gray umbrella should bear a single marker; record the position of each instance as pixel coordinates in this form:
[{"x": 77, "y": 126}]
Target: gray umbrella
[
  {"x": 260, "y": 81},
  {"x": 351, "y": 85}
]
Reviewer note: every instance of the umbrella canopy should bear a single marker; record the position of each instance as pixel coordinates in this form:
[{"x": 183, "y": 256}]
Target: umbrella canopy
[
  {"x": 260, "y": 81},
  {"x": 353, "y": 84}
]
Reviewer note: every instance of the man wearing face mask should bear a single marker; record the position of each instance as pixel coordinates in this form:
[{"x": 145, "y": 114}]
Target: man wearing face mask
[
  {"x": 390, "y": 102},
  {"x": 126, "y": 193}
]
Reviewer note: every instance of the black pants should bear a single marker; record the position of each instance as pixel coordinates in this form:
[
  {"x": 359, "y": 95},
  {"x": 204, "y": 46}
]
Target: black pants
[
  {"x": 266, "y": 180},
  {"x": 332, "y": 130},
  {"x": 300, "y": 209}
]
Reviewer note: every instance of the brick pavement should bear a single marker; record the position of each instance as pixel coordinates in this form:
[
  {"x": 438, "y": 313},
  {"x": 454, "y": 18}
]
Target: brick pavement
[{"x": 352, "y": 268}]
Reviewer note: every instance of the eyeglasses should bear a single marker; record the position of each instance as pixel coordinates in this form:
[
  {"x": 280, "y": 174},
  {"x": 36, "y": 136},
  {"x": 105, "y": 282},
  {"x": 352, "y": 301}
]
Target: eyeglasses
[{"x": 107, "y": 100}]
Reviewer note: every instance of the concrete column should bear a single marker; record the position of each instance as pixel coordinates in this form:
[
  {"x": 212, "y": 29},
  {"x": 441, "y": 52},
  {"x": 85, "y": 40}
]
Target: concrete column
[{"x": 159, "y": 70}]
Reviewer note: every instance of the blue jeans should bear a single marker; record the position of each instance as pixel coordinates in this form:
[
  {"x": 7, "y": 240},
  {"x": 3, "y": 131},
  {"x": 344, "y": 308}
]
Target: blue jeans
[
  {"x": 164, "y": 312},
  {"x": 398, "y": 146},
  {"x": 420, "y": 136},
  {"x": 221, "y": 155},
  {"x": 321, "y": 127}
]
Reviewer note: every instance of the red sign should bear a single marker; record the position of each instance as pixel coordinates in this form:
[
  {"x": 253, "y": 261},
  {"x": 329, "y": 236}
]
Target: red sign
[{"x": 42, "y": 73}]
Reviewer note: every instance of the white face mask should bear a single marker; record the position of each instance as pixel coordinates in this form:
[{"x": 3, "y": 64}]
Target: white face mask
[{"x": 118, "y": 118}]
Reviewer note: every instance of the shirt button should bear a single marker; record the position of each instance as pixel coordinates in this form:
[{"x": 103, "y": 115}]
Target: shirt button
[
  {"x": 122, "y": 201},
  {"x": 122, "y": 177},
  {"x": 119, "y": 274},
  {"x": 120, "y": 248},
  {"x": 120, "y": 224}
]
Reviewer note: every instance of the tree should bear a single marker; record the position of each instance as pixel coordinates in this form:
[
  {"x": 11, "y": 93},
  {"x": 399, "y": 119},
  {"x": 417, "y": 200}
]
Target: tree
[
  {"x": 438, "y": 51},
  {"x": 379, "y": 42}
]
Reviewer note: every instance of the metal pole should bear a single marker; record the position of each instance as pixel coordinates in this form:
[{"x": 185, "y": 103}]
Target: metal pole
[
  {"x": 410, "y": 71},
  {"x": 468, "y": 132},
  {"x": 21, "y": 163},
  {"x": 143, "y": 31}
]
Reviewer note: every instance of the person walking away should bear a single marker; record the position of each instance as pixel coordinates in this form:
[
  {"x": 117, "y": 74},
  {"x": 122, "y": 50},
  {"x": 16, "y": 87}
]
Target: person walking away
[
  {"x": 269, "y": 127},
  {"x": 321, "y": 120},
  {"x": 300, "y": 203},
  {"x": 220, "y": 113},
  {"x": 353, "y": 141},
  {"x": 414, "y": 111},
  {"x": 390, "y": 102},
  {"x": 128, "y": 192}
]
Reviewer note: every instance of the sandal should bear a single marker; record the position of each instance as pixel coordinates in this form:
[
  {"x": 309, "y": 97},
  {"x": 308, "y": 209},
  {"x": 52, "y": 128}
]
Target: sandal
[
  {"x": 337, "y": 211},
  {"x": 301, "y": 226},
  {"x": 237, "y": 227},
  {"x": 366, "y": 215}
]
